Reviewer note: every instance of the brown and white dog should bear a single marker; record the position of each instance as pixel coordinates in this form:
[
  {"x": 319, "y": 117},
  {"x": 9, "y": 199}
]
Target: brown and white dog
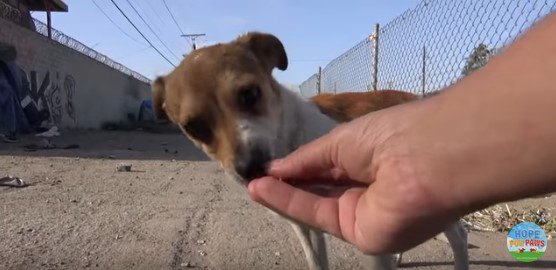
[{"x": 224, "y": 98}]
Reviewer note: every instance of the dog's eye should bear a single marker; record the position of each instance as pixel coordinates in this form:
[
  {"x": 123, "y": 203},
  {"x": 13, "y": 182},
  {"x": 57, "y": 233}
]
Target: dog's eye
[
  {"x": 199, "y": 130},
  {"x": 248, "y": 97}
]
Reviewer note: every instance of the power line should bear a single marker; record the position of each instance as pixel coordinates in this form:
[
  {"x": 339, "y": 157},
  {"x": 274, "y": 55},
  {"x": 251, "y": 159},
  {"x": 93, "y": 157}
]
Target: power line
[
  {"x": 147, "y": 15},
  {"x": 115, "y": 24},
  {"x": 173, "y": 18},
  {"x": 154, "y": 32},
  {"x": 146, "y": 39},
  {"x": 154, "y": 11}
]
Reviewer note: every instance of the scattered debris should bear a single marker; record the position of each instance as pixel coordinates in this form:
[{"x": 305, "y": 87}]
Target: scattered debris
[
  {"x": 12, "y": 181},
  {"x": 123, "y": 167},
  {"x": 186, "y": 264},
  {"x": 52, "y": 132},
  {"x": 46, "y": 144},
  {"x": 550, "y": 226},
  {"x": 508, "y": 209},
  {"x": 202, "y": 253},
  {"x": 172, "y": 152},
  {"x": 503, "y": 219}
]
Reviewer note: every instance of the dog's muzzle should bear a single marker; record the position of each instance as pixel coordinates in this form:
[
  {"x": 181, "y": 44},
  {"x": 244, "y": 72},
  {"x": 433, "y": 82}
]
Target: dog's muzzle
[{"x": 252, "y": 164}]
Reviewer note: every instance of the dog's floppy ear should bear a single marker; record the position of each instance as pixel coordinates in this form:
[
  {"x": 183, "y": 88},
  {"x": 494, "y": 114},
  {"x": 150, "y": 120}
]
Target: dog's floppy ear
[
  {"x": 268, "y": 49},
  {"x": 159, "y": 96}
]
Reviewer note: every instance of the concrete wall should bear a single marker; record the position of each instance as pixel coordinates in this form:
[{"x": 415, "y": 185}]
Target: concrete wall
[{"x": 79, "y": 91}]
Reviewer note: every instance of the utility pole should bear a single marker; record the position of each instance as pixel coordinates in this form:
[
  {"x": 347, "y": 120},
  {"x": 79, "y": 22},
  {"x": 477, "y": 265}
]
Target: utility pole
[{"x": 193, "y": 37}]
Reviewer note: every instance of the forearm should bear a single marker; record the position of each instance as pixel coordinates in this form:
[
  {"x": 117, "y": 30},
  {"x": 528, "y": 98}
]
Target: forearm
[{"x": 497, "y": 127}]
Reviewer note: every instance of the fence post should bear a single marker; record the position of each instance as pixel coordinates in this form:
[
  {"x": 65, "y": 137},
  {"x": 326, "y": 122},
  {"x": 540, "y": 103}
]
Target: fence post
[
  {"x": 374, "y": 72},
  {"x": 424, "y": 74},
  {"x": 48, "y": 19},
  {"x": 319, "y": 81}
]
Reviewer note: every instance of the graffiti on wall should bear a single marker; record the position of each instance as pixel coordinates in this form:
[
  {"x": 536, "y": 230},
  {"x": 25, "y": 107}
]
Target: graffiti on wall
[
  {"x": 51, "y": 92},
  {"x": 69, "y": 87}
]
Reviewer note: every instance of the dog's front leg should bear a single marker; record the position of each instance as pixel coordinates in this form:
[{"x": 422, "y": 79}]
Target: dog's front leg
[
  {"x": 313, "y": 245},
  {"x": 379, "y": 262},
  {"x": 457, "y": 237},
  {"x": 319, "y": 246}
]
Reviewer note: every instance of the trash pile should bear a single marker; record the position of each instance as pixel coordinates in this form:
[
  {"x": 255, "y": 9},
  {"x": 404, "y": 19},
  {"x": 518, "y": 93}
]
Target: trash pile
[{"x": 500, "y": 218}]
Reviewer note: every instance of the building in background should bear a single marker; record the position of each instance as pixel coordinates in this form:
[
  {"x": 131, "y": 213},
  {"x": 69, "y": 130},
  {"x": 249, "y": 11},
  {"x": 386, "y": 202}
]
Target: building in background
[{"x": 21, "y": 10}]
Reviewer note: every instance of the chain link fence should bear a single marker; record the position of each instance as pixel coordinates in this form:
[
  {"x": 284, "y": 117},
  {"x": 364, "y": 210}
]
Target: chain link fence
[
  {"x": 429, "y": 47},
  {"x": 9, "y": 13},
  {"x": 309, "y": 86}
]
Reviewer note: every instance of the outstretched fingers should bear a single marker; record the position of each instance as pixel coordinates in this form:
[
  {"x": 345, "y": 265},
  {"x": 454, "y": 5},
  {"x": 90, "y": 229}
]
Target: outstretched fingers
[{"x": 335, "y": 215}]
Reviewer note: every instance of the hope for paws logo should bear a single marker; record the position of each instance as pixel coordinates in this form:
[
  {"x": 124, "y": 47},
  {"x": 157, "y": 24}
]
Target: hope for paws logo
[{"x": 527, "y": 242}]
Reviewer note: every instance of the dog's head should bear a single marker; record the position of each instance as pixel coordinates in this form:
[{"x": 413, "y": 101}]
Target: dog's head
[{"x": 224, "y": 98}]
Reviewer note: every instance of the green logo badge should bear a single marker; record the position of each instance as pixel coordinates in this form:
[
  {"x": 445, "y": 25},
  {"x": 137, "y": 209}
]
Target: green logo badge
[{"x": 527, "y": 242}]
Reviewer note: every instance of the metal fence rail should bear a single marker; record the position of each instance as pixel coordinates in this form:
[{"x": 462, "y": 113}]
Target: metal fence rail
[
  {"x": 12, "y": 14},
  {"x": 431, "y": 46}
]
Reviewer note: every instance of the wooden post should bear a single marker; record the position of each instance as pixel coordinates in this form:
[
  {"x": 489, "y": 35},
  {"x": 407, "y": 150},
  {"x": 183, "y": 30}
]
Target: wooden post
[{"x": 374, "y": 72}]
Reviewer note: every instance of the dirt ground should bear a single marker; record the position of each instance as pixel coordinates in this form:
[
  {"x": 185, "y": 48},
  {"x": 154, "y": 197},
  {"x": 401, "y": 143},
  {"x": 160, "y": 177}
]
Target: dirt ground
[{"x": 174, "y": 210}]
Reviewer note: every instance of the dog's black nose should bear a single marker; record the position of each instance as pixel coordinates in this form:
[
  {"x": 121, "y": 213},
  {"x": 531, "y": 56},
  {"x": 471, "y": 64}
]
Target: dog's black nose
[{"x": 253, "y": 164}]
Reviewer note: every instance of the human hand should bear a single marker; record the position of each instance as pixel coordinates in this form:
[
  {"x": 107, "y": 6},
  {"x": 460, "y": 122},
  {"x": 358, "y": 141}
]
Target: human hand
[
  {"x": 412, "y": 169},
  {"x": 377, "y": 199}
]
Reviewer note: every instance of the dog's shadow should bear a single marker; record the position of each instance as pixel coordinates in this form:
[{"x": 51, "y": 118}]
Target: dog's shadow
[{"x": 509, "y": 264}]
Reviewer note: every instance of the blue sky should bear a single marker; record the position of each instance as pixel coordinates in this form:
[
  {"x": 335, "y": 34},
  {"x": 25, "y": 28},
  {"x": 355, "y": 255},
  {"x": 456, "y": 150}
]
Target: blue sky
[{"x": 313, "y": 32}]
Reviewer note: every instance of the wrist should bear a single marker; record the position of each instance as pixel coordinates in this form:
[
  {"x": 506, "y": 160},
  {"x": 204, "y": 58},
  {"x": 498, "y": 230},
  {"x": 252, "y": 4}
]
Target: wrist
[{"x": 486, "y": 147}]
